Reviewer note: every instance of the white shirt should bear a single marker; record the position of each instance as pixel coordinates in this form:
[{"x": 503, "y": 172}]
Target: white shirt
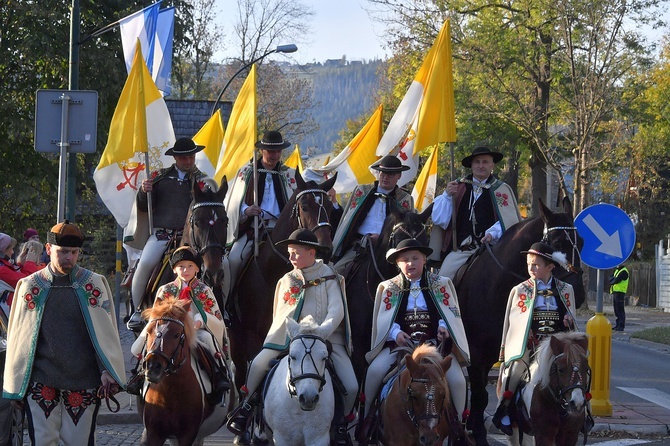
[
  {"x": 374, "y": 221},
  {"x": 418, "y": 302},
  {"x": 545, "y": 302},
  {"x": 269, "y": 204}
]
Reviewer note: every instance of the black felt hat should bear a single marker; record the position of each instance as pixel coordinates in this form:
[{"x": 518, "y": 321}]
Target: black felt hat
[
  {"x": 481, "y": 149},
  {"x": 272, "y": 140},
  {"x": 390, "y": 164},
  {"x": 410, "y": 244},
  {"x": 183, "y": 147},
  {"x": 185, "y": 253},
  {"x": 544, "y": 250},
  {"x": 303, "y": 237}
]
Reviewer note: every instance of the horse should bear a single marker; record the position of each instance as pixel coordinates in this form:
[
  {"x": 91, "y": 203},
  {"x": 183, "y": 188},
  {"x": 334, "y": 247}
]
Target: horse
[
  {"x": 485, "y": 285},
  {"x": 175, "y": 403},
  {"x": 368, "y": 270},
  {"x": 308, "y": 207},
  {"x": 558, "y": 391},
  {"x": 299, "y": 402},
  {"x": 415, "y": 411}
]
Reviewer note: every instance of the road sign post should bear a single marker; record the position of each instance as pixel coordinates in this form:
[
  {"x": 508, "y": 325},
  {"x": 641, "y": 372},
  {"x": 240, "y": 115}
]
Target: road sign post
[{"x": 609, "y": 238}]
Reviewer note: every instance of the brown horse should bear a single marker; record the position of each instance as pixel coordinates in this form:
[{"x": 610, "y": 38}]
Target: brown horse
[
  {"x": 560, "y": 389},
  {"x": 308, "y": 207},
  {"x": 415, "y": 410},
  {"x": 175, "y": 405},
  {"x": 485, "y": 287}
]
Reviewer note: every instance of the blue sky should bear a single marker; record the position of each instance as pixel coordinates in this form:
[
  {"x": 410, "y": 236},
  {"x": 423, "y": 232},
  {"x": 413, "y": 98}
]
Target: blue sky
[{"x": 339, "y": 27}]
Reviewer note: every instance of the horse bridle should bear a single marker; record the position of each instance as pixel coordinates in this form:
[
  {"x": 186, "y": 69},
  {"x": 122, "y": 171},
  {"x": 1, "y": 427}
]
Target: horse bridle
[
  {"x": 171, "y": 367},
  {"x": 213, "y": 219},
  {"x": 304, "y": 338},
  {"x": 571, "y": 234},
  {"x": 319, "y": 196},
  {"x": 577, "y": 381},
  {"x": 431, "y": 409}
]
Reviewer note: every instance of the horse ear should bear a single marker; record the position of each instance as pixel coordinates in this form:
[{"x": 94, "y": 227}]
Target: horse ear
[
  {"x": 411, "y": 364},
  {"x": 446, "y": 363},
  {"x": 299, "y": 181},
  {"x": 426, "y": 213},
  {"x": 329, "y": 183},
  {"x": 223, "y": 189},
  {"x": 567, "y": 206},
  {"x": 293, "y": 327},
  {"x": 556, "y": 345},
  {"x": 545, "y": 212}
]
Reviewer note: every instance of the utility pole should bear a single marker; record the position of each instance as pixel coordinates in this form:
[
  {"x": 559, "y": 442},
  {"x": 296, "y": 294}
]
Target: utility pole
[{"x": 73, "y": 84}]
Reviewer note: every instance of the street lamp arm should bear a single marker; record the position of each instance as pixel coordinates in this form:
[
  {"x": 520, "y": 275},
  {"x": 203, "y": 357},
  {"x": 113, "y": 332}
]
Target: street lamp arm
[{"x": 291, "y": 48}]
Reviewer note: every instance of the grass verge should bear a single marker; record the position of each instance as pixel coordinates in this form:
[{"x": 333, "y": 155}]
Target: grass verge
[{"x": 660, "y": 335}]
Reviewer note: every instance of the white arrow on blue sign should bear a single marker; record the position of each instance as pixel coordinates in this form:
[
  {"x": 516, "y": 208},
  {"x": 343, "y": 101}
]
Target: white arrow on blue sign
[{"x": 608, "y": 234}]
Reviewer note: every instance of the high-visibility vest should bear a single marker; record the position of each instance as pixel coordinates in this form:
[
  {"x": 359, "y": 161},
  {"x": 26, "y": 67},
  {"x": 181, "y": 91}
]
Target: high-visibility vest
[{"x": 622, "y": 286}]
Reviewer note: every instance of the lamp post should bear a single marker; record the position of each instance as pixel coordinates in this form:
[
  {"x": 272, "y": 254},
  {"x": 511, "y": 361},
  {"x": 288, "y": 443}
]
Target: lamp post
[
  {"x": 291, "y": 48},
  {"x": 295, "y": 121}
]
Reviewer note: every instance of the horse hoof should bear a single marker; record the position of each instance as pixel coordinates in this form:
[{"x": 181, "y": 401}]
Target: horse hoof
[{"x": 245, "y": 438}]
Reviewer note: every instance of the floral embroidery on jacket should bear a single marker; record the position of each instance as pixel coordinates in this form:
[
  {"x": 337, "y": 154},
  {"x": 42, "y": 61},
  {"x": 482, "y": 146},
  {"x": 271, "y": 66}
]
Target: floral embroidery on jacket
[
  {"x": 524, "y": 302},
  {"x": 93, "y": 293},
  {"x": 502, "y": 198},
  {"x": 30, "y": 297},
  {"x": 294, "y": 292}
]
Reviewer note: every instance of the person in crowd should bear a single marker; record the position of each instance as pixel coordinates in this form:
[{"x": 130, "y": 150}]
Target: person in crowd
[
  {"x": 30, "y": 257},
  {"x": 415, "y": 306},
  {"x": 368, "y": 207},
  {"x": 485, "y": 208},
  {"x": 10, "y": 273},
  {"x": 31, "y": 234},
  {"x": 618, "y": 289},
  {"x": 57, "y": 370},
  {"x": 312, "y": 288},
  {"x": 170, "y": 200},
  {"x": 276, "y": 183},
  {"x": 536, "y": 308},
  {"x": 204, "y": 309}
]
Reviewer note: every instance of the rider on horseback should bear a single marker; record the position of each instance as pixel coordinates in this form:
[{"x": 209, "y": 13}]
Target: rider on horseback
[
  {"x": 485, "y": 208},
  {"x": 170, "y": 200},
  {"x": 275, "y": 186},
  {"x": 415, "y": 306},
  {"x": 312, "y": 288},
  {"x": 536, "y": 308},
  {"x": 367, "y": 208},
  {"x": 186, "y": 263}
]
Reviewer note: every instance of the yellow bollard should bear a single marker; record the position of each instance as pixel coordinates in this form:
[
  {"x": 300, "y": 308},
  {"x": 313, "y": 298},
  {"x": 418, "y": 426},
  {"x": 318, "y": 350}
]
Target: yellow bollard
[{"x": 599, "y": 330}]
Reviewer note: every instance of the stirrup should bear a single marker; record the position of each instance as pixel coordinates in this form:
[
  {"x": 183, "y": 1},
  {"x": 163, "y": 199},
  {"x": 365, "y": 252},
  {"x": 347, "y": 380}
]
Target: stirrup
[
  {"x": 240, "y": 418},
  {"x": 135, "y": 322}
]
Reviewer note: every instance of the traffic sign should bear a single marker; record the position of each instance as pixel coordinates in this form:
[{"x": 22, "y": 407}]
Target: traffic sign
[
  {"x": 608, "y": 234},
  {"x": 80, "y": 125}
]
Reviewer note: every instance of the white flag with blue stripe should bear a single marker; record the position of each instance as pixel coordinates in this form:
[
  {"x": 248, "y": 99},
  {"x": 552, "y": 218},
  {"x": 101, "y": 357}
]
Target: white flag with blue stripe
[
  {"x": 162, "y": 62},
  {"x": 140, "y": 25}
]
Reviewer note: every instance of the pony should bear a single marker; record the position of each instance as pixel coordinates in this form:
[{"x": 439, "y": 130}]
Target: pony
[
  {"x": 251, "y": 307},
  {"x": 175, "y": 404},
  {"x": 299, "y": 402},
  {"x": 416, "y": 408},
  {"x": 558, "y": 391},
  {"x": 483, "y": 302},
  {"x": 368, "y": 270}
]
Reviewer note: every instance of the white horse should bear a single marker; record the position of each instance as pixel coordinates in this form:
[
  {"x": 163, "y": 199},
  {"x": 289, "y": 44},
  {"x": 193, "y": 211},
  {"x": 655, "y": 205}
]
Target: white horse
[{"x": 299, "y": 403}]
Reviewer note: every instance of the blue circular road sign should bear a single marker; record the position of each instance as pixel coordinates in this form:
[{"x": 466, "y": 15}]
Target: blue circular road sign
[{"x": 608, "y": 233}]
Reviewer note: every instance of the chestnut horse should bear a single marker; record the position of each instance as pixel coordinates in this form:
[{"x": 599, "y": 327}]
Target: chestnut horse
[
  {"x": 175, "y": 404},
  {"x": 415, "y": 412},
  {"x": 558, "y": 391},
  {"x": 371, "y": 268},
  {"x": 308, "y": 207},
  {"x": 485, "y": 286}
]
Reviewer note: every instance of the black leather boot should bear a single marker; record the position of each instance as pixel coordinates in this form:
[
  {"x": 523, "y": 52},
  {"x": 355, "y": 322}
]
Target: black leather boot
[
  {"x": 504, "y": 408},
  {"x": 240, "y": 418}
]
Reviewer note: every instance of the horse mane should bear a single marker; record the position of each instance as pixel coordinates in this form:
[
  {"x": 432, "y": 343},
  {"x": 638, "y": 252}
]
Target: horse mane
[
  {"x": 174, "y": 308},
  {"x": 426, "y": 354},
  {"x": 545, "y": 356}
]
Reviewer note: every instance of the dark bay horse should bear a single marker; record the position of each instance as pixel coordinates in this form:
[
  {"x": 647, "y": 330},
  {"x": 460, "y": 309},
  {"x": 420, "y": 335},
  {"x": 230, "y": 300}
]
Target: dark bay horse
[
  {"x": 484, "y": 288},
  {"x": 308, "y": 207},
  {"x": 558, "y": 391},
  {"x": 174, "y": 404},
  {"x": 372, "y": 268},
  {"x": 415, "y": 410}
]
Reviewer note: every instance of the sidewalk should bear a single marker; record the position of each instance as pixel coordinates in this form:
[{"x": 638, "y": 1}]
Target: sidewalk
[{"x": 632, "y": 418}]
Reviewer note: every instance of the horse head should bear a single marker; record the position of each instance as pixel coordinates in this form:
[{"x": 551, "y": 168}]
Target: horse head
[
  {"x": 561, "y": 234},
  {"x": 398, "y": 226},
  {"x": 425, "y": 394},
  {"x": 206, "y": 227},
  {"x": 307, "y": 357},
  {"x": 563, "y": 371},
  {"x": 170, "y": 336},
  {"x": 312, "y": 208}
]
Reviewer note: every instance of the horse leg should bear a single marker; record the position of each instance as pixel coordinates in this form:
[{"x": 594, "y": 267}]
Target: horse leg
[{"x": 479, "y": 399}]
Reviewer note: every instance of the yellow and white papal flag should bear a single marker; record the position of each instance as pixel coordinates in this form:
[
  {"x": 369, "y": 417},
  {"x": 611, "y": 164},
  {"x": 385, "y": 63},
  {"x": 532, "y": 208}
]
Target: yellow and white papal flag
[
  {"x": 141, "y": 123},
  {"x": 426, "y": 115},
  {"x": 424, "y": 188},
  {"x": 352, "y": 164},
  {"x": 210, "y": 135}
]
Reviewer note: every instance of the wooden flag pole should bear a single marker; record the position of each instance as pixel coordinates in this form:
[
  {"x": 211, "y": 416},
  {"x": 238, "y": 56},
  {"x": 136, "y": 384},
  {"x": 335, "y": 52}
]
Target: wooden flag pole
[
  {"x": 256, "y": 220},
  {"x": 150, "y": 213},
  {"x": 454, "y": 236}
]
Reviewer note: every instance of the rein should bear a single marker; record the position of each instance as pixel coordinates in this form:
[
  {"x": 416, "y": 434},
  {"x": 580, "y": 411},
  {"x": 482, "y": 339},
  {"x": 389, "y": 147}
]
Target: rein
[
  {"x": 213, "y": 219},
  {"x": 577, "y": 381},
  {"x": 171, "y": 367},
  {"x": 303, "y": 338},
  {"x": 318, "y": 199},
  {"x": 431, "y": 410}
]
